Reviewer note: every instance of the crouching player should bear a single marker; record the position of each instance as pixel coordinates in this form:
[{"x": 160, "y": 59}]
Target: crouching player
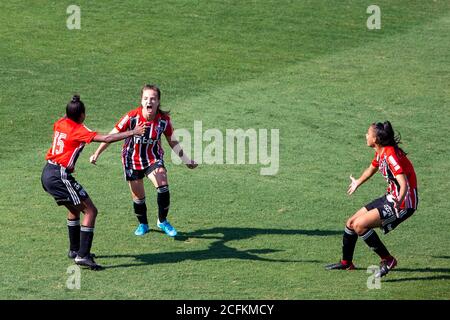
[{"x": 387, "y": 212}]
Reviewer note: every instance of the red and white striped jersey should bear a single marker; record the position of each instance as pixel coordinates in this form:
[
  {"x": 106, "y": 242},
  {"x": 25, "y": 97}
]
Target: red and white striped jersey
[
  {"x": 69, "y": 139},
  {"x": 391, "y": 163},
  {"x": 139, "y": 152}
]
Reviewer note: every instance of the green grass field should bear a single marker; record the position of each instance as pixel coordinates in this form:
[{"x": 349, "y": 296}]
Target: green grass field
[{"x": 311, "y": 69}]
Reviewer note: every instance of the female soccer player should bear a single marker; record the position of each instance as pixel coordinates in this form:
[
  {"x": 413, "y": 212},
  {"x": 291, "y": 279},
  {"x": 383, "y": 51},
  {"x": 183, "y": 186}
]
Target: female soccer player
[
  {"x": 143, "y": 157},
  {"x": 387, "y": 212},
  {"x": 69, "y": 138}
]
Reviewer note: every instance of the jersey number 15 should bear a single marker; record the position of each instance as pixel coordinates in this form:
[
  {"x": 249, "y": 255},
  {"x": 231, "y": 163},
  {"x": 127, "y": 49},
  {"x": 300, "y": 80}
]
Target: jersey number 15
[{"x": 58, "y": 142}]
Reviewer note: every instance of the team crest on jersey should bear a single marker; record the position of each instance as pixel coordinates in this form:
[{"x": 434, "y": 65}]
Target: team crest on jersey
[{"x": 160, "y": 128}]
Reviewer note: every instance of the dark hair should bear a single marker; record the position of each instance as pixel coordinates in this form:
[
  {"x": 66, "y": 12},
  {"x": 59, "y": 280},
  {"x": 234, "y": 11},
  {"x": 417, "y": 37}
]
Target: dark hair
[
  {"x": 385, "y": 135},
  {"x": 75, "y": 108},
  {"x": 156, "y": 89}
]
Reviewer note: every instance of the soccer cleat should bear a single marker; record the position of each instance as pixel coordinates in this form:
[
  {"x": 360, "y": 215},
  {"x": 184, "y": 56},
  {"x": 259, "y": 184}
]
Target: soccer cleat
[
  {"x": 72, "y": 254},
  {"x": 88, "y": 261},
  {"x": 386, "y": 265},
  {"x": 340, "y": 266},
  {"x": 141, "y": 229},
  {"x": 167, "y": 228}
]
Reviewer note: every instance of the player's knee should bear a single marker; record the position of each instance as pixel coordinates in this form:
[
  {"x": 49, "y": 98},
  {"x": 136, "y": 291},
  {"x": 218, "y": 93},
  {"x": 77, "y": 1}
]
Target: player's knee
[
  {"x": 349, "y": 223},
  {"x": 160, "y": 170},
  {"x": 359, "y": 227},
  {"x": 94, "y": 211}
]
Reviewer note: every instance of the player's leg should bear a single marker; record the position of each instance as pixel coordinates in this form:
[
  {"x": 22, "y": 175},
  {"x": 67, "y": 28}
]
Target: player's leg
[
  {"x": 84, "y": 256},
  {"x": 68, "y": 192},
  {"x": 364, "y": 227},
  {"x": 159, "y": 179},
  {"x": 73, "y": 227},
  {"x": 140, "y": 208},
  {"x": 349, "y": 239}
]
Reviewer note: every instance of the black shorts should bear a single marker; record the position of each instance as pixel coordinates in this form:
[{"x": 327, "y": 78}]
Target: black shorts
[
  {"x": 132, "y": 175},
  {"x": 389, "y": 219},
  {"x": 61, "y": 185}
]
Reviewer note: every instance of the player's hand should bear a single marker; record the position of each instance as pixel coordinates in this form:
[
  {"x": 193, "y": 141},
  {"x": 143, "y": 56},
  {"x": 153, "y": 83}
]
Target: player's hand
[
  {"x": 352, "y": 186},
  {"x": 397, "y": 208},
  {"x": 395, "y": 203},
  {"x": 192, "y": 164},
  {"x": 93, "y": 159},
  {"x": 139, "y": 130}
]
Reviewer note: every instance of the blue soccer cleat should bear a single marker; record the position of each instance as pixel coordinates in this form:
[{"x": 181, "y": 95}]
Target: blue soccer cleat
[
  {"x": 141, "y": 229},
  {"x": 167, "y": 228}
]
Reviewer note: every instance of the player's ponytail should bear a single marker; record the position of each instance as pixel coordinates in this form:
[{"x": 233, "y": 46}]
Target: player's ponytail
[
  {"x": 75, "y": 108},
  {"x": 386, "y": 136}
]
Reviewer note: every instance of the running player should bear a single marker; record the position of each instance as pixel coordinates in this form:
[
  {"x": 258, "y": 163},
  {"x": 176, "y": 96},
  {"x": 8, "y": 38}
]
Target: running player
[
  {"x": 143, "y": 157},
  {"x": 387, "y": 212},
  {"x": 69, "y": 139}
]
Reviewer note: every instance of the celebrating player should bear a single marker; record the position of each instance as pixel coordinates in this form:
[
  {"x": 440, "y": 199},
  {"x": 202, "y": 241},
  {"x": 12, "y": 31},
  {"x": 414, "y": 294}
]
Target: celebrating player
[
  {"x": 387, "y": 212},
  {"x": 143, "y": 157},
  {"x": 69, "y": 139}
]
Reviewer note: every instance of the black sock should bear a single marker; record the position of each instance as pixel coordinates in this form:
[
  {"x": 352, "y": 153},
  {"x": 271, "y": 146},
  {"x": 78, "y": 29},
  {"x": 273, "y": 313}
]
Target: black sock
[
  {"x": 140, "y": 209},
  {"x": 73, "y": 225},
  {"x": 348, "y": 244},
  {"x": 163, "y": 200},
  {"x": 86, "y": 236},
  {"x": 373, "y": 241}
]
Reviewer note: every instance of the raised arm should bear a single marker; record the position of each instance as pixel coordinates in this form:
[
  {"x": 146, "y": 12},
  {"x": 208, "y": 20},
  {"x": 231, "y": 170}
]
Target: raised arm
[
  {"x": 355, "y": 183},
  {"x": 113, "y": 136}
]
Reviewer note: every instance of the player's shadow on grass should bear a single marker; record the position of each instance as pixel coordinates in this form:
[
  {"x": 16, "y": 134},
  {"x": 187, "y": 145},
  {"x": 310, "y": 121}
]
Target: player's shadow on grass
[
  {"x": 424, "y": 270},
  {"x": 441, "y": 277},
  {"x": 218, "y": 248},
  {"x": 441, "y": 257}
]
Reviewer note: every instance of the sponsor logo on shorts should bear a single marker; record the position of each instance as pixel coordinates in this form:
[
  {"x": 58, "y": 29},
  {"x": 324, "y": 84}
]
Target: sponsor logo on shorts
[{"x": 387, "y": 210}]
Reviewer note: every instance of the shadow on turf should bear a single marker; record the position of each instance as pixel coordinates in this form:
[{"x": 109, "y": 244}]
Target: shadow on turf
[
  {"x": 424, "y": 270},
  {"x": 218, "y": 249},
  {"x": 441, "y": 257},
  {"x": 418, "y": 279}
]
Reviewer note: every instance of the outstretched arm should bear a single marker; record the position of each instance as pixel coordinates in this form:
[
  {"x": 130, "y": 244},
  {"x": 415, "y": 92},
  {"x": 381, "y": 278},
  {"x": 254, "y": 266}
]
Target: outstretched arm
[
  {"x": 175, "y": 145},
  {"x": 355, "y": 183},
  {"x": 113, "y": 136}
]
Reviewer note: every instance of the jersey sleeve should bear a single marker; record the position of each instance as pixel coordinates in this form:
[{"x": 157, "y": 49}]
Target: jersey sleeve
[
  {"x": 123, "y": 124},
  {"x": 394, "y": 163},
  {"x": 83, "y": 134},
  {"x": 168, "y": 131},
  {"x": 375, "y": 161}
]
